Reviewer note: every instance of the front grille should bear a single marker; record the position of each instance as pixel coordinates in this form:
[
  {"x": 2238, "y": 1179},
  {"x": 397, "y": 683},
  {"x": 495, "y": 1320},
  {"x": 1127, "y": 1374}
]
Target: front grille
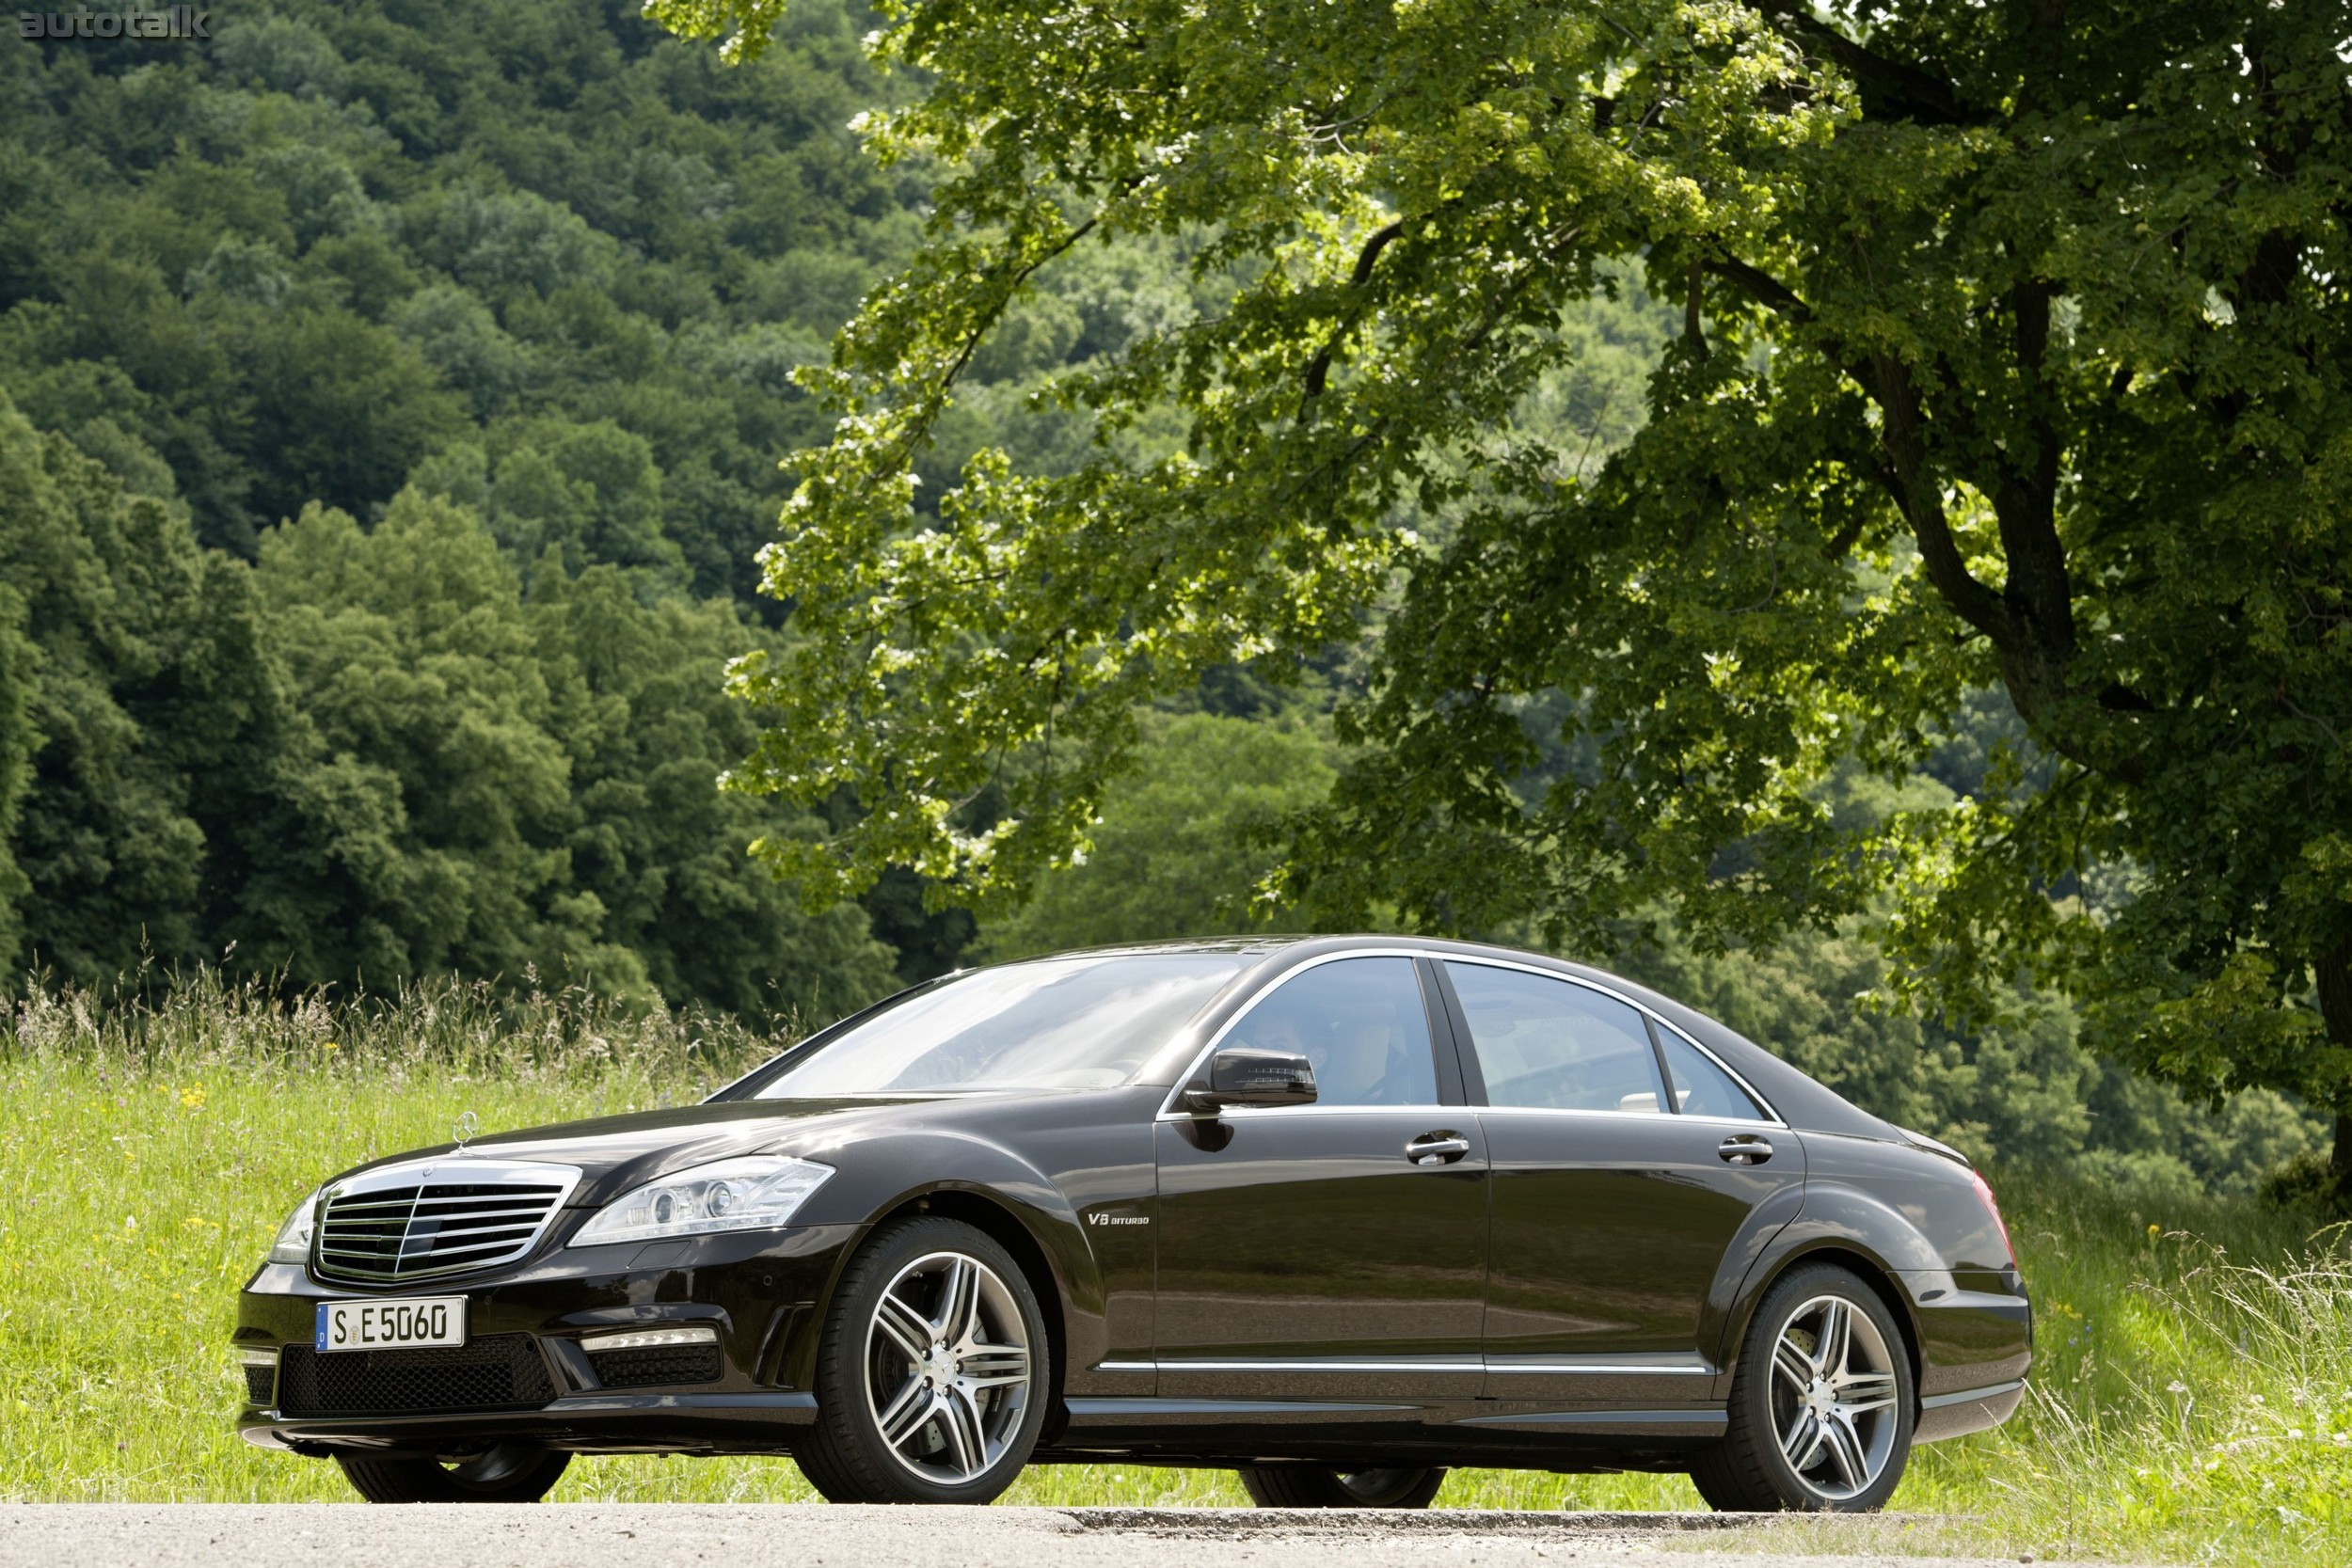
[
  {"x": 257, "y": 1382},
  {"x": 656, "y": 1365},
  {"x": 397, "y": 1225},
  {"x": 498, "y": 1372}
]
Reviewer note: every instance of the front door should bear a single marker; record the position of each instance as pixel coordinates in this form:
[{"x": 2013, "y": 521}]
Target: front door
[
  {"x": 1323, "y": 1250},
  {"x": 1620, "y": 1227}
]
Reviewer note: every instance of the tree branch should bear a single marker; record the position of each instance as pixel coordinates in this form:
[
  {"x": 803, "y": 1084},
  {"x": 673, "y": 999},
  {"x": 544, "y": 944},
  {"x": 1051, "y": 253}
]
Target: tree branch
[
  {"x": 2040, "y": 590},
  {"x": 1921, "y": 497},
  {"x": 1763, "y": 288},
  {"x": 1907, "y": 91},
  {"x": 1319, "y": 368}
]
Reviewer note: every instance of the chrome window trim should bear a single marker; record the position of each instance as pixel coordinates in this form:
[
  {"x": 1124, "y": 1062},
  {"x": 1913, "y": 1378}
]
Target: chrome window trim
[
  {"x": 1773, "y": 1116},
  {"x": 1252, "y": 1113},
  {"x": 1749, "y": 1122},
  {"x": 1170, "y": 1112}
]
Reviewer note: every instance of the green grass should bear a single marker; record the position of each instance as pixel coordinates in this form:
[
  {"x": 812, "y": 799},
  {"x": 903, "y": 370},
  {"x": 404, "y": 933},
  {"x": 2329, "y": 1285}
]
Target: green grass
[{"x": 2192, "y": 1398}]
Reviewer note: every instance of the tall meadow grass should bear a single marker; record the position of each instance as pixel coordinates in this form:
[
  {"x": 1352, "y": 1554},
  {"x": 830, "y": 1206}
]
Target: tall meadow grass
[{"x": 2191, "y": 1400}]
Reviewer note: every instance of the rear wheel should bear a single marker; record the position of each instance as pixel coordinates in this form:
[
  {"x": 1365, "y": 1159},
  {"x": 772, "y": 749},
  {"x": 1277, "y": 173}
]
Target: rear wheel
[
  {"x": 1318, "y": 1486},
  {"x": 509, "y": 1473},
  {"x": 1821, "y": 1406},
  {"x": 931, "y": 1376}
]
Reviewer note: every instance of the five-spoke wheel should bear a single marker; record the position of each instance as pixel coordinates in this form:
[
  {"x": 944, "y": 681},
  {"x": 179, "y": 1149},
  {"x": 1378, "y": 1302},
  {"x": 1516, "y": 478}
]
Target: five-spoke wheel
[
  {"x": 1833, "y": 1397},
  {"x": 1822, "y": 1403},
  {"x": 948, "y": 1367},
  {"x": 929, "y": 1380}
]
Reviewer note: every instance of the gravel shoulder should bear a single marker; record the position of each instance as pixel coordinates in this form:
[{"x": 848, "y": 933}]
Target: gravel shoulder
[{"x": 596, "y": 1535}]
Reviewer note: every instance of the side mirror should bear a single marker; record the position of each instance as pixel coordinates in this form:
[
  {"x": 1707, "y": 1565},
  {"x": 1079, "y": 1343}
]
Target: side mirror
[{"x": 1245, "y": 1075}]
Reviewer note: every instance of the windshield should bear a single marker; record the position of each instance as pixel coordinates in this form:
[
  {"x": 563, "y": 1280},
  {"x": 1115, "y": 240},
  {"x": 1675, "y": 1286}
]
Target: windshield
[{"x": 1080, "y": 1023}]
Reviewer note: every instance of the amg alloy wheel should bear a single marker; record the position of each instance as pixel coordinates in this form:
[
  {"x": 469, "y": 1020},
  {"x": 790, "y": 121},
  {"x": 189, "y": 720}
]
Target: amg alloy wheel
[
  {"x": 508, "y": 1473},
  {"x": 1822, "y": 1405},
  {"x": 1319, "y": 1486},
  {"x": 931, "y": 1378}
]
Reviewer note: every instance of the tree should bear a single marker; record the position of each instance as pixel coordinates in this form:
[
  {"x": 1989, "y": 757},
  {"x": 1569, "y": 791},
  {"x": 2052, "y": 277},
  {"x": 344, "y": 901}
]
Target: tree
[
  {"x": 2014, "y": 351},
  {"x": 496, "y": 783},
  {"x": 1179, "y": 848},
  {"x": 124, "y": 651}
]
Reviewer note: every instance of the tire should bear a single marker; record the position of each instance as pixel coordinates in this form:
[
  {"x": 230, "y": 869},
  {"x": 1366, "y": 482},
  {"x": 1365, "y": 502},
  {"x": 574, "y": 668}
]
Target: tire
[
  {"x": 934, "y": 1372},
  {"x": 509, "y": 1473},
  {"x": 1317, "y": 1486},
  {"x": 1822, "y": 1405}
]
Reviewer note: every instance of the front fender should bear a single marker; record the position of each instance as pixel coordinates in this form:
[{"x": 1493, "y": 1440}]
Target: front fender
[{"x": 877, "y": 1179}]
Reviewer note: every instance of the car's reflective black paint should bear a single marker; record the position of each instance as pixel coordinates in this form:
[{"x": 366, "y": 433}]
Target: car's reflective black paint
[{"x": 1566, "y": 1289}]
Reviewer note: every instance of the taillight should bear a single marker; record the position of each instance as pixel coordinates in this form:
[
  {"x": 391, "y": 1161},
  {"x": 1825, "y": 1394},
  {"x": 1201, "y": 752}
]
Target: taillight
[{"x": 1984, "y": 1191}]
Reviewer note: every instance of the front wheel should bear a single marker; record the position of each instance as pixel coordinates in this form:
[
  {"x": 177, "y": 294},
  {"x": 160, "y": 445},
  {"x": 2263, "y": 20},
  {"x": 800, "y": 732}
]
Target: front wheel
[
  {"x": 931, "y": 1376},
  {"x": 1821, "y": 1406},
  {"x": 1317, "y": 1486},
  {"x": 509, "y": 1473}
]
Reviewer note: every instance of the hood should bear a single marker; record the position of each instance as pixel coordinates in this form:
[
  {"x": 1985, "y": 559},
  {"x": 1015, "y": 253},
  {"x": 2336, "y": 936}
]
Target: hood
[{"x": 616, "y": 1153}]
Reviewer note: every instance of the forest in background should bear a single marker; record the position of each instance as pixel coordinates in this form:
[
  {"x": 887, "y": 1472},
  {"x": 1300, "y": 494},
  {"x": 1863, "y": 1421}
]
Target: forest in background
[{"x": 391, "y": 397}]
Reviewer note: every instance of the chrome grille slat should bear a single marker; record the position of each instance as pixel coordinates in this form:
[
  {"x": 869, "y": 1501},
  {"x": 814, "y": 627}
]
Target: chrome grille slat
[
  {"x": 529, "y": 1216},
  {"x": 458, "y": 1215}
]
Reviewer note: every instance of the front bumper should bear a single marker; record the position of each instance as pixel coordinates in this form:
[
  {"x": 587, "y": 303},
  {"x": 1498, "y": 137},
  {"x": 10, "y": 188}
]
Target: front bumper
[{"x": 758, "y": 1290}]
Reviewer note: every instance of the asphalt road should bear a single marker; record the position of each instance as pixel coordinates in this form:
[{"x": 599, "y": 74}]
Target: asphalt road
[{"x": 585, "y": 1535}]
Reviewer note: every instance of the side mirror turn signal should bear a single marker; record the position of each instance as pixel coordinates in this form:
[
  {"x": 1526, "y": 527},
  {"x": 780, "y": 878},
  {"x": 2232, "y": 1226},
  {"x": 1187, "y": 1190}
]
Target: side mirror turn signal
[{"x": 1245, "y": 1075}]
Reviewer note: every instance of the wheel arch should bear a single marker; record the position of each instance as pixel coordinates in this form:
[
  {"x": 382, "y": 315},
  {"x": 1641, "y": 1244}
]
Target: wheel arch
[
  {"x": 985, "y": 1213},
  {"x": 1864, "y": 1265},
  {"x": 1001, "y": 1223}
]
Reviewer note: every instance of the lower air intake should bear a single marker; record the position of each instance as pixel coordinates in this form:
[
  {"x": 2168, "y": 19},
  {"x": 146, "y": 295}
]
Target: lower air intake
[
  {"x": 498, "y": 1372},
  {"x": 658, "y": 1367}
]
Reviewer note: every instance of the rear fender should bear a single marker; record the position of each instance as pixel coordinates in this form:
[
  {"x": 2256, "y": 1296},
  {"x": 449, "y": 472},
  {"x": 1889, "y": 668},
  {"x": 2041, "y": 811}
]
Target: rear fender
[
  {"x": 1833, "y": 1219},
  {"x": 1966, "y": 1335}
]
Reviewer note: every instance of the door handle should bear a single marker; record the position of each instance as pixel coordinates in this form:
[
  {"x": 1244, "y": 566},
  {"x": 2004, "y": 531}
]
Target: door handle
[
  {"x": 1743, "y": 1148},
  {"x": 1437, "y": 1149}
]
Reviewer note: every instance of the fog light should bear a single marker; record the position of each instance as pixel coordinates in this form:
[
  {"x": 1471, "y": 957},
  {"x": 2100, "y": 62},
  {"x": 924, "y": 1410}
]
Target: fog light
[{"x": 651, "y": 1339}]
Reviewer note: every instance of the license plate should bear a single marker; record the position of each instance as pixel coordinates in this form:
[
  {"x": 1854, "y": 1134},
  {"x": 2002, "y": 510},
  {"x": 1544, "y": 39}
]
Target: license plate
[{"x": 391, "y": 1325}]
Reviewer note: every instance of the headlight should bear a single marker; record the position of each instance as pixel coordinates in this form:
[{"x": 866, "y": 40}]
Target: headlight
[
  {"x": 759, "y": 1193},
  {"x": 294, "y": 1237}
]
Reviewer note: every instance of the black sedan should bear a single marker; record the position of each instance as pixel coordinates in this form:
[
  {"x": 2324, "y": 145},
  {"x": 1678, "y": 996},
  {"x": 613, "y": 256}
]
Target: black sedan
[{"x": 1337, "y": 1213}]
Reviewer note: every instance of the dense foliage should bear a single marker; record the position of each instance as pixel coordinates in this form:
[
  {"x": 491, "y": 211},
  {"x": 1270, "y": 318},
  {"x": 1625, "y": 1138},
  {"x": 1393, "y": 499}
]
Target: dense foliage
[
  {"x": 413, "y": 378},
  {"x": 374, "y": 757},
  {"x": 2013, "y": 352},
  {"x": 390, "y": 402}
]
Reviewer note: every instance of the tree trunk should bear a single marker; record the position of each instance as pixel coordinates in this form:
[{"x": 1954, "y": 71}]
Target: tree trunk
[{"x": 2334, "y": 971}]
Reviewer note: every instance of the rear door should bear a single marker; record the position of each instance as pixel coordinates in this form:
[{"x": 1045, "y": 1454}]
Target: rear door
[
  {"x": 1622, "y": 1210},
  {"x": 1322, "y": 1250}
]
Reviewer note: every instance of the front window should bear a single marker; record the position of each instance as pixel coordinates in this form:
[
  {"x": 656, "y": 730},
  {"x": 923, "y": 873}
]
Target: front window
[
  {"x": 1079, "y": 1022},
  {"x": 1359, "y": 1022}
]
